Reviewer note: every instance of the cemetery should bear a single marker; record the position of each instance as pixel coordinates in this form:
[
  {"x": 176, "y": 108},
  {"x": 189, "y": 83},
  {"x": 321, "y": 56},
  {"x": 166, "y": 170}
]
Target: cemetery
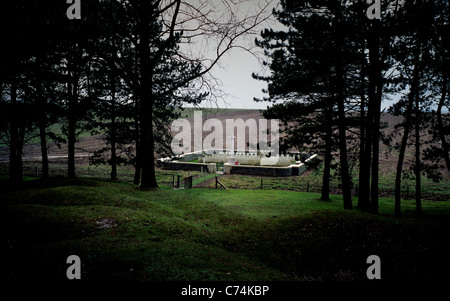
[
  {"x": 137, "y": 146},
  {"x": 245, "y": 163}
]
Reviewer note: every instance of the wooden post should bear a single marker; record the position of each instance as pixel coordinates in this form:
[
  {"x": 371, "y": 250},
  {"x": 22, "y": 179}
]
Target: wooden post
[
  {"x": 216, "y": 182},
  {"x": 188, "y": 182},
  {"x": 178, "y": 181},
  {"x": 307, "y": 186},
  {"x": 261, "y": 183}
]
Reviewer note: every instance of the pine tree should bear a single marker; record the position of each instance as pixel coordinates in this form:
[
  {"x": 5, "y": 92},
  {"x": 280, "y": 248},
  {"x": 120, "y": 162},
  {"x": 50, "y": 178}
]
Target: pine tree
[
  {"x": 149, "y": 68},
  {"x": 314, "y": 64},
  {"x": 26, "y": 27},
  {"x": 414, "y": 51}
]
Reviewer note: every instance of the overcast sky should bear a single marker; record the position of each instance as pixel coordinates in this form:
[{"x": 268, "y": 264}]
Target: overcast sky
[
  {"x": 237, "y": 81},
  {"x": 236, "y": 67},
  {"x": 235, "y": 74}
]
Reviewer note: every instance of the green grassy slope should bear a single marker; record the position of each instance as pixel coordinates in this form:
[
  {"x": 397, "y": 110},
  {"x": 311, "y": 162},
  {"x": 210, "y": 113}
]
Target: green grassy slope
[{"x": 123, "y": 233}]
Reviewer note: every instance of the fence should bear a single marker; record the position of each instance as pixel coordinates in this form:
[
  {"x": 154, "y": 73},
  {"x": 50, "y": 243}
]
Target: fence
[
  {"x": 310, "y": 186},
  {"x": 179, "y": 181},
  {"x": 191, "y": 181}
]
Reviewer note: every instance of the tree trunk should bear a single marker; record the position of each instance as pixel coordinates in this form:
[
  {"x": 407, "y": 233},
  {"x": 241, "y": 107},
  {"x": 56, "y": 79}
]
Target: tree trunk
[
  {"x": 113, "y": 151},
  {"x": 440, "y": 129},
  {"x": 137, "y": 167},
  {"x": 342, "y": 124},
  {"x": 401, "y": 157},
  {"x": 113, "y": 129},
  {"x": 327, "y": 162},
  {"x": 147, "y": 158},
  {"x": 44, "y": 152},
  {"x": 362, "y": 132},
  {"x": 346, "y": 182},
  {"x": 407, "y": 126},
  {"x": 417, "y": 155},
  {"x": 15, "y": 151},
  {"x": 378, "y": 84},
  {"x": 71, "y": 136},
  {"x": 42, "y": 120},
  {"x": 371, "y": 133},
  {"x": 365, "y": 162},
  {"x": 375, "y": 163}
]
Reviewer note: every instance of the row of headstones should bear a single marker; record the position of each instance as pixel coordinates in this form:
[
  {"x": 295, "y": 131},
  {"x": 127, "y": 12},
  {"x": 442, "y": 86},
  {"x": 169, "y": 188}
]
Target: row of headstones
[
  {"x": 277, "y": 161},
  {"x": 250, "y": 159}
]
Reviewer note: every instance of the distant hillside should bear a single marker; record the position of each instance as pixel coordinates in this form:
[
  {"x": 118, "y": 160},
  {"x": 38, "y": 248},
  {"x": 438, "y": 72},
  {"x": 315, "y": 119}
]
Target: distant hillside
[{"x": 88, "y": 144}]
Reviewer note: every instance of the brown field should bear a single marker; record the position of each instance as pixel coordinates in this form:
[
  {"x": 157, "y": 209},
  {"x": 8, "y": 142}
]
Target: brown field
[{"x": 88, "y": 144}]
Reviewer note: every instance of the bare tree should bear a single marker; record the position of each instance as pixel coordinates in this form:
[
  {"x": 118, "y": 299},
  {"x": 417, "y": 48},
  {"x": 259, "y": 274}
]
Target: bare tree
[{"x": 207, "y": 30}]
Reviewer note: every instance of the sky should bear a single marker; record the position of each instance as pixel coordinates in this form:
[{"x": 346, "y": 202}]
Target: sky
[
  {"x": 237, "y": 65},
  {"x": 235, "y": 74},
  {"x": 236, "y": 68},
  {"x": 238, "y": 83}
]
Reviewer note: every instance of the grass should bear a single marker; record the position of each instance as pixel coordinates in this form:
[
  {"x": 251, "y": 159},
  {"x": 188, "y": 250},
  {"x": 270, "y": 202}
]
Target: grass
[
  {"x": 430, "y": 190},
  {"x": 278, "y": 233},
  {"x": 123, "y": 233},
  {"x": 312, "y": 182}
]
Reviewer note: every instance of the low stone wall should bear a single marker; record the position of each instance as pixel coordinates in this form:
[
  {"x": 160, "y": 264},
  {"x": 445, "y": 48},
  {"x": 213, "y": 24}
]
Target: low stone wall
[
  {"x": 257, "y": 170},
  {"x": 252, "y": 159},
  {"x": 185, "y": 157},
  {"x": 313, "y": 159},
  {"x": 298, "y": 168},
  {"x": 191, "y": 166},
  {"x": 270, "y": 171}
]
